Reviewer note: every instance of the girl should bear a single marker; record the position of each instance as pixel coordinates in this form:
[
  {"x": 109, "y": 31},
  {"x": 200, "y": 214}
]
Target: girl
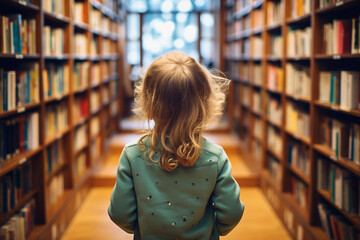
[{"x": 173, "y": 183}]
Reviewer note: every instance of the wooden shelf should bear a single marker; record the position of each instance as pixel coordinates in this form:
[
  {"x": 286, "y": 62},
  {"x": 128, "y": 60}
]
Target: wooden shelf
[
  {"x": 57, "y": 98},
  {"x": 80, "y": 26},
  {"x": 57, "y": 136},
  {"x": 336, "y": 56},
  {"x": 295, "y": 206},
  {"x": 55, "y": 172},
  {"x": 60, "y": 57},
  {"x": 50, "y": 215},
  {"x": 56, "y": 18},
  {"x": 273, "y": 28},
  {"x": 274, "y": 154},
  {"x": 12, "y": 163},
  {"x": 243, "y": 12},
  {"x": 337, "y": 7},
  {"x": 298, "y": 59},
  {"x": 298, "y": 98},
  {"x": 5, "y": 217},
  {"x": 299, "y": 20},
  {"x": 347, "y": 164},
  {"x": 299, "y": 174},
  {"x": 333, "y": 107},
  {"x": 22, "y": 5},
  {"x": 299, "y": 137},
  {"x": 353, "y": 219},
  {"x": 19, "y": 110},
  {"x": 19, "y": 56}
]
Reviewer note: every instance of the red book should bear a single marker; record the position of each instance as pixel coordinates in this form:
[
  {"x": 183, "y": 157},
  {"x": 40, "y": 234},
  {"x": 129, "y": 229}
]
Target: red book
[
  {"x": 346, "y": 42},
  {"x": 334, "y": 227}
]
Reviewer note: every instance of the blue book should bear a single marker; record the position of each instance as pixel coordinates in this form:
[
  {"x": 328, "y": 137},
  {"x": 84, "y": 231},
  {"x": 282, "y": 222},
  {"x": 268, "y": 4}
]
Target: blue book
[
  {"x": 332, "y": 88},
  {"x": 27, "y": 87},
  {"x": 48, "y": 157}
]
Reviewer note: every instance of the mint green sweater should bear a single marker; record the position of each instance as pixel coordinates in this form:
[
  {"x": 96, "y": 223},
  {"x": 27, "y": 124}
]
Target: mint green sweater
[{"x": 200, "y": 202}]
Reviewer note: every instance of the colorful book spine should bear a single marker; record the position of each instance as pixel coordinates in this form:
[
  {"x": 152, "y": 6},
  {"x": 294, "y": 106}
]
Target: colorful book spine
[
  {"x": 275, "y": 78},
  {"x": 56, "y": 79},
  {"x": 298, "y": 157},
  {"x": 56, "y": 119},
  {"x": 21, "y": 134}
]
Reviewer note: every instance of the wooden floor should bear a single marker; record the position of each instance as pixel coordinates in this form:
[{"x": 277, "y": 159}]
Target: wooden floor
[{"x": 92, "y": 222}]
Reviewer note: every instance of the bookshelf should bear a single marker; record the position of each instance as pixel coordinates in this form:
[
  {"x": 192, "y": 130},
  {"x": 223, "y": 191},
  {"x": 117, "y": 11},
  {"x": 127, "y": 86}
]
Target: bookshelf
[
  {"x": 295, "y": 100},
  {"x": 60, "y": 86}
]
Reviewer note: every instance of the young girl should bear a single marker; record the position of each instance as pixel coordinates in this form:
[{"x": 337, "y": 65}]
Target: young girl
[{"x": 173, "y": 183}]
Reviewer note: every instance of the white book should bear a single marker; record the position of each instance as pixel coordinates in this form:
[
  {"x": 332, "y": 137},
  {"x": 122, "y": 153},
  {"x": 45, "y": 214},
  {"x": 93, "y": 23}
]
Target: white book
[
  {"x": 338, "y": 187},
  {"x": 325, "y": 86},
  {"x": 344, "y": 91},
  {"x": 353, "y": 79}
]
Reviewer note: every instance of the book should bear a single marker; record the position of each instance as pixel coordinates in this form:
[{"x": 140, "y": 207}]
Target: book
[
  {"x": 56, "y": 79},
  {"x": 274, "y": 110},
  {"x": 298, "y": 80},
  {"x": 349, "y": 94},
  {"x": 56, "y": 119},
  {"x": 299, "y": 191},
  {"x": 53, "y": 40},
  {"x": 298, "y": 157},
  {"x": 275, "y": 78},
  {"x": 297, "y": 120},
  {"x": 276, "y": 46},
  {"x": 274, "y": 140},
  {"x": 299, "y": 42},
  {"x": 55, "y": 155}
]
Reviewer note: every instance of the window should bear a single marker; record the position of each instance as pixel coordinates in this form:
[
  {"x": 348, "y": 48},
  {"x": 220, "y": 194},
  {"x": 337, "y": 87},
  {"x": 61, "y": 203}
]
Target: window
[{"x": 185, "y": 25}]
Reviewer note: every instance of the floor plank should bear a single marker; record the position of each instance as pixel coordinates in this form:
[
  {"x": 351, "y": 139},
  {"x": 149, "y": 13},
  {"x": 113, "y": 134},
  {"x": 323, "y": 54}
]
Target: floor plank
[{"x": 92, "y": 222}]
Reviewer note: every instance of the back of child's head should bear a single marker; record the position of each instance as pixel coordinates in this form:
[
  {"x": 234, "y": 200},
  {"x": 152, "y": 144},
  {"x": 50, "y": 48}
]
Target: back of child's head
[{"x": 182, "y": 97}]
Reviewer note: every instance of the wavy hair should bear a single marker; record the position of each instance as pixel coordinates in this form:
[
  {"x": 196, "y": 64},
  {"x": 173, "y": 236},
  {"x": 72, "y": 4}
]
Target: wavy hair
[{"x": 182, "y": 97}]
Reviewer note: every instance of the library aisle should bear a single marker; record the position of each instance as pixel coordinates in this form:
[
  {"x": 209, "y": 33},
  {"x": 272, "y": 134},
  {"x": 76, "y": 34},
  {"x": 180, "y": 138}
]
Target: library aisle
[{"x": 92, "y": 222}]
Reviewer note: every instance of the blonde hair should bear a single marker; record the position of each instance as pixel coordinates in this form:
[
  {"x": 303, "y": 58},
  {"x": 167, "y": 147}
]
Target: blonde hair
[{"x": 182, "y": 97}]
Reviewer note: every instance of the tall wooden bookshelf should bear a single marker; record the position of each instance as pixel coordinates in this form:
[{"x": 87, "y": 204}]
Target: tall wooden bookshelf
[
  {"x": 60, "y": 102},
  {"x": 297, "y": 133}
]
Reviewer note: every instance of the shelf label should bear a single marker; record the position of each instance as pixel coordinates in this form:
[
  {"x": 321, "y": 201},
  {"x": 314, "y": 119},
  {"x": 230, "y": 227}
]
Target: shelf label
[
  {"x": 19, "y": 56},
  {"x": 22, "y": 161},
  {"x": 338, "y": 3},
  {"x": 21, "y": 109},
  {"x": 336, "y": 57},
  {"x": 58, "y": 97},
  {"x": 60, "y": 16},
  {"x": 333, "y": 157},
  {"x": 23, "y": 2},
  {"x": 334, "y": 107},
  {"x": 58, "y": 136}
]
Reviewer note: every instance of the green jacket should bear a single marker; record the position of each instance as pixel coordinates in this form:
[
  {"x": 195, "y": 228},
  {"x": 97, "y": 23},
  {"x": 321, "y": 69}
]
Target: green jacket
[{"x": 200, "y": 202}]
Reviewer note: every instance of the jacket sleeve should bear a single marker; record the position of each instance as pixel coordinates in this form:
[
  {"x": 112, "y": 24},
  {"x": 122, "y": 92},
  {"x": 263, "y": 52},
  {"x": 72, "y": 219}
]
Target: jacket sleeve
[
  {"x": 226, "y": 198},
  {"x": 123, "y": 205}
]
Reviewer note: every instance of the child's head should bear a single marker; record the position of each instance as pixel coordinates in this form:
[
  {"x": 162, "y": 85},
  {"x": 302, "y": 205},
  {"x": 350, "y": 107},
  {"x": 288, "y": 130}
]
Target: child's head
[{"x": 182, "y": 97}]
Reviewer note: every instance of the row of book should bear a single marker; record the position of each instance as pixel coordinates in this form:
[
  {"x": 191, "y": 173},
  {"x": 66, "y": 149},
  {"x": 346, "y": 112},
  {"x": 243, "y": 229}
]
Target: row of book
[
  {"x": 56, "y": 119},
  {"x": 114, "y": 108},
  {"x": 342, "y": 138},
  {"x": 94, "y": 46},
  {"x": 18, "y": 134},
  {"x": 300, "y": 7},
  {"x": 299, "y": 42},
  {"x": 20, "y": 226},
  {"x": 258, "y": 18},
  {"x": 18, "y": 88},
  {"x": 297, "y": 120},
  {"x": 53, "y": 40},
  {"x": 81, "y": 74},
  {"x": 56, "y": 188},
  {"x": 274, "y": 167},
  {"x": 257, "y": 128},
  {"x": 275, "y": 78},
  {"x": 342, "y": 36},
  {"x": 257, "y": 74},
  {"x": 274, "y": 141},
  {"x": 298, "y": 157},
  {"x": 56, "y": 79},
  {"x": 80, "y": 46},
  {"x": 329, "y": 3},
  {"x": 80, "y": 137},
  {"x": 274, "y": 13},
  {"x": 14, "y": 186},
  {"x": 79, "y": 12},
  {"x": 257, "y": 47},
  {"x": 95, "y": 101},
  {"x": 95, "y": 126},
  {"x": 256, "y": 107},
  {"x": 276, "y": 46},
  {"x": 80, "y": 108},
  {"x": 340, "y": 88},
  {"x": 274, "y": 110},
  {"x": 109, "y": 68},
  {"x": 335, "y": 225},
  {"x": 80, "y": 164},
  {"x": 298, "y": 80},
  {"x": 96, "y": 73},
  {"x": 18, "y": 34},
  {"x": 54, "y": 6},
  {"x": 299, "y": 191},
  {"x": 55, "y": 155},
  {"x": 342, "y": 186}
]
